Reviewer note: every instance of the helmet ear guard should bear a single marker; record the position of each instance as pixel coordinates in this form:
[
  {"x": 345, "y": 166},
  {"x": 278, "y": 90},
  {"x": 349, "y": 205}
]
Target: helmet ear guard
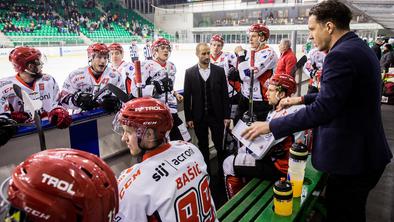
[
  {"x": 63, "y": 185},
  {"x": 142, "y": 114}
]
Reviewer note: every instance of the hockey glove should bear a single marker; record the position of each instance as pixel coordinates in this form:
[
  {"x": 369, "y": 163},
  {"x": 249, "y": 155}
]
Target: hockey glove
[
  {"x": 84, "y": 101},
  {"x": 60, "y": 117},
  {"x": 8, "y": 128},
  {"x": 241, "y": 56},
  {"x": 164, "y": 85},
  {"x": 233, "y": 74},
  {"x": 110, "y": 103},
  {"x": 20, "y": 117}
]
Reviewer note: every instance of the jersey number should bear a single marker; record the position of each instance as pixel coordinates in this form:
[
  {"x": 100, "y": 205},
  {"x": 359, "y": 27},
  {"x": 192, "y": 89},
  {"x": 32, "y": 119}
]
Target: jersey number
[{"x": 195, "y": 205}]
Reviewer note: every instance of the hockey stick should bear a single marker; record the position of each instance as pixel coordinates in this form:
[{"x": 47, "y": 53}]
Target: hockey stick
[
  {"x": 101, "y": 91},
  {"x": 300, "y": 63},
  {"x": 122, "y": 96},
  {"x": 138, "y": 78},
  {"x": 32, "y": 106},
  {"x": 251, "y": 119}
]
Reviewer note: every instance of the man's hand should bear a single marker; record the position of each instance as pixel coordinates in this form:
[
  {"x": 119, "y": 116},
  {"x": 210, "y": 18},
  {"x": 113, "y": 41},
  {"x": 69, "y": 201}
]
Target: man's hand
[
  {"x": 190, "y": 124},
  {"x": 255, "y": 130},
  {"x": 178, "y": 97},
  {"x": 227, "y": 122},
  {"x": 287, "y": 102}
]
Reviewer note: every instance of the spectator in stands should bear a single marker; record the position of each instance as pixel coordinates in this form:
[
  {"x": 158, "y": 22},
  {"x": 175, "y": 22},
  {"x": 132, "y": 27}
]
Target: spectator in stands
[
  {"x": 349, "y": 141},
  {"x": 287, "y": 59},
  {"x": 387, "y": 59},
  {"x": 377, "y": 48}
]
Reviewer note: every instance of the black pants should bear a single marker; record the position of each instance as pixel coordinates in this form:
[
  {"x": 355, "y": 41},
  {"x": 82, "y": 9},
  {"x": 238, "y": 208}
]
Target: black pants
[
  {"x": 175, "y": 133},
  {"x": 217, "y": 130},
  {"x": 260, "y": 109},
  {"x": 346, "y": 195}
]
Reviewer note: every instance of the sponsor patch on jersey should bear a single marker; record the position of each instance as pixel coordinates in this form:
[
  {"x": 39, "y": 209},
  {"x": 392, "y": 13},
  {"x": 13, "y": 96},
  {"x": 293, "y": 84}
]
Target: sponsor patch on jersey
[
  {"x": 112, "y": 75},
  {"x": 131, "y": 68},
  {"x": 41, "y": 86},
  {"x": 45, "y": 78}
]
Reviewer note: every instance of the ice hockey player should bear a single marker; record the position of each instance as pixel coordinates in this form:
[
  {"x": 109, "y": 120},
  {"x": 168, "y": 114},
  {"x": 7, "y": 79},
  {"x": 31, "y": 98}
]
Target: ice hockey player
[
  {"x": 28, "y": 63},
  {"x": 265, "y": 61},
  {"x": 126, "y": 69},
  {"x": 313, "y": 69},
  {"x": 171, "y": 182},
  {"x": 275, "y": 163},
  {"x": 133, "y": 51},
  {"x": 228, "y": 61},
  {"x": 148, "y": 50},
  {"x": 83, "y": 84},
  {"x": 60, "y": 185},
  {"x": 160, "y": 73}
]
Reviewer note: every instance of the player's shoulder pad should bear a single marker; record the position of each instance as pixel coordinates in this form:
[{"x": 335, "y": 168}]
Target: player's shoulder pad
[
  {"x": 78, "y": 71},
  {"x": 6, "y": 81}
]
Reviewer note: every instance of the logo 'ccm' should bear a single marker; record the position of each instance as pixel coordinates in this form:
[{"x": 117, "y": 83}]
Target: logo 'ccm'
[
  {"x": 58, "y": 183},
  {"x": 148, "y": 108}
]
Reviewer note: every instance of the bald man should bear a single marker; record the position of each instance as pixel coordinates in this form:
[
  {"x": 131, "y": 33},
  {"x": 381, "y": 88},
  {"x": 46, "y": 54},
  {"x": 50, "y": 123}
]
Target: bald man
[
  {"x": 206, "y": 102},
  {"x": 287, "y": 59}
]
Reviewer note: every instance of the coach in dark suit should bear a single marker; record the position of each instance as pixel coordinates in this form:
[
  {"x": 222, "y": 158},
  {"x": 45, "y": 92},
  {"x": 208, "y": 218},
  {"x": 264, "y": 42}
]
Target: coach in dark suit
[
  {"x": 349, "y": 141},
  {"x": 206, "y": 103}
]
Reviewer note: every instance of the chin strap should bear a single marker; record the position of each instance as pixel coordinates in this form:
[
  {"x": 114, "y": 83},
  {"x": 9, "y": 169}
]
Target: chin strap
[{"x": 33, "y": 74}]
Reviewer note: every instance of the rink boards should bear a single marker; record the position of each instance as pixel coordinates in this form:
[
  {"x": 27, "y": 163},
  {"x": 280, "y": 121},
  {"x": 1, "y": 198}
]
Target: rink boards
[{"x": 90, "y": 131}]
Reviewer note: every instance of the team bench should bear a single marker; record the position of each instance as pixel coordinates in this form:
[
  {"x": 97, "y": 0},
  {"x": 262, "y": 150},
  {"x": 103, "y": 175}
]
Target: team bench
[{"x": 254, "y": 202}]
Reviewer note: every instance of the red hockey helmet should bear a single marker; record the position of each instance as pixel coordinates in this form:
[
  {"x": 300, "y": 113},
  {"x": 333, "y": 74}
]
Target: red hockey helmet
[
  {"x": 285, "y": 82},
  {"x": 97, "y": 48},
  {"x": 116, "y": 46},
  {"x": 21, "y": 56},
  {"x": 144, "y": 113},
  {"x": 64, "y": 185},
  {"x": 261, "y": 29},
  {"x": 217, "y": 38},
  {"x": 159, "y": 42}
]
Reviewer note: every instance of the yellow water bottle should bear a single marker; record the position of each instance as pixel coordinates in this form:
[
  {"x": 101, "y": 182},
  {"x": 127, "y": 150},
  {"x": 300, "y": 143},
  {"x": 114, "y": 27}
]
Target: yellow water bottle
[
  {"x": 297, "y": 164},
  {"x": 283, "y": 197}
]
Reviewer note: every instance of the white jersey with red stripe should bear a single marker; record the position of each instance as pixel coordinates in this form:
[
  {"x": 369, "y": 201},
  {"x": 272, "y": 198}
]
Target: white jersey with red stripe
[
  {"x": 126, "y": 70},
  {"x": 83, "y": 80},
  {"x": 170, "y": 184},
  {"x": 151, "y": 71},
  {"x": 226, "y": 60},
  {"x": 265, "y": 61},
  {"x": 314, "y": 65},
  {"x": 45, "y": 89}
]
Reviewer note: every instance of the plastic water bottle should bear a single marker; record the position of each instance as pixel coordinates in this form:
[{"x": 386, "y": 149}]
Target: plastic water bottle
[
  {"x": 283, "y": 197},
  {"x": 297, "y": 164}
]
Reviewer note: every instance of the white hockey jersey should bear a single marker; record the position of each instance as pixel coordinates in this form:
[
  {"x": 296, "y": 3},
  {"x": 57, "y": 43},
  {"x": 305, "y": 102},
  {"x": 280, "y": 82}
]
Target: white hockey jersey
[
  {"x": 148, "y": 52},
  {"x": 151, "y": 71},
  {"x": 265, "y": 61},
  {"x": 126, "y": 70},
  {"x": 45, "y": 89},
  {"x": 314, "y": 65},
  {"x": 134, "y": 51},
  {"x": 226, "y": 60},
  {"x": 83, "y": 80},
  {"x": 170, "y": 184}
]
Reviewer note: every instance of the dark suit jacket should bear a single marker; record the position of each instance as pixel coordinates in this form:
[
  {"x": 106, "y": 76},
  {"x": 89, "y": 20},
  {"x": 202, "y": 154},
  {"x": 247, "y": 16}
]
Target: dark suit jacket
[
  {"x": 193, "y": 98},
  {"x": 349, "y": 136}
]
